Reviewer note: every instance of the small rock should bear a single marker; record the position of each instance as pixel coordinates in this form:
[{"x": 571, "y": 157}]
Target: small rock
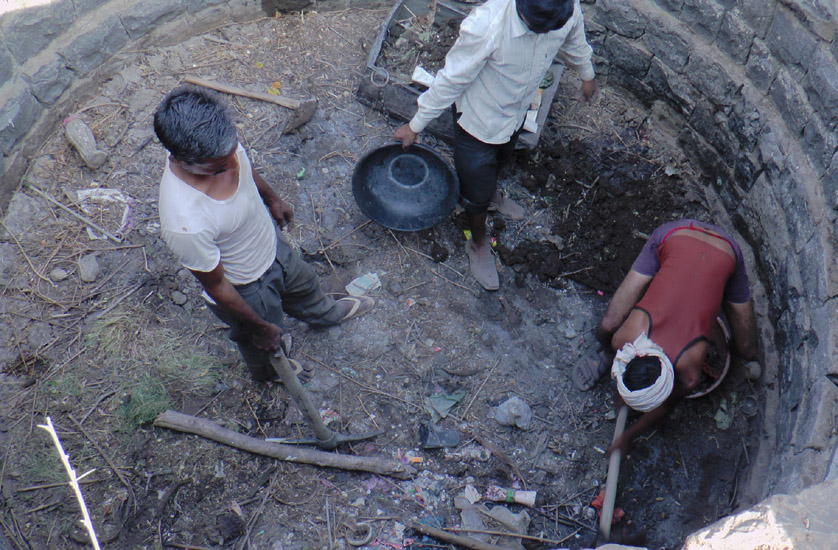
[
  {"x": 89, "y": 268},
  {"x": 752, "y": 370},
  {"x": 570, "y": 333},
  {"x": 58, "y": 274},
  {"x": 401, "y": 43},
  {"x": 178, "y": 297}
]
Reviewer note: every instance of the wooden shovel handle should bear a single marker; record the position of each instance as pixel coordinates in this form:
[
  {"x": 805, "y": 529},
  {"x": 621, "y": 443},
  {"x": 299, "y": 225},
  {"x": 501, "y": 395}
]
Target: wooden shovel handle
[
  {"x": 287, "y": 102},
  {"x": 613, "y": 473}
]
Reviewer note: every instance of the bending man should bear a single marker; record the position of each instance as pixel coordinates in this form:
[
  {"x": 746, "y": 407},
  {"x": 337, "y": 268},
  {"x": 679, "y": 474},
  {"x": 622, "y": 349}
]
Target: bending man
[
  {"x": 661, "y": 318},
  {"x": 223, "y": 222},
  {"x": 491, "y": 75}
]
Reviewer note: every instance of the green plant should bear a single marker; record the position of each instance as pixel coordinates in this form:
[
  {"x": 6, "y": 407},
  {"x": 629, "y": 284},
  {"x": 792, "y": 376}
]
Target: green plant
[
  {"x": 147, "y": 397},
  {"x": 143, "y": 350}
]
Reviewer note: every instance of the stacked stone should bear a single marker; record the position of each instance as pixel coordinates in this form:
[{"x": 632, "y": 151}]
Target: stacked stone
[
  {"x": 47, "y": 49},
  {"x": 753, "y": 87}
]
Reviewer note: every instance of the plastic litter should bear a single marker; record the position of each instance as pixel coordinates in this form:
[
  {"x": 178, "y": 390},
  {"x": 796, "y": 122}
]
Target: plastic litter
[
  {"x": 96, "y": 202},
  {"x": 81, "y": 137},
  {"x": 499, "y": 494},
  {"x": 432, "y": 436},
  {"x": 440, "y": 404},
  {"x": 364, "y": 284},
  {"x": 514, "y": 412}
]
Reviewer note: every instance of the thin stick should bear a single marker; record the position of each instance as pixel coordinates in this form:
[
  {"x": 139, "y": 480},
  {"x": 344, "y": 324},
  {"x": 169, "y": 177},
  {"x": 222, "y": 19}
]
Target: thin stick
[
  {"x": 476, "y": 294},
  {"x": 368, "y": 388},
  {"x": 503, "y": 534},
  {"x": 481, "y": 387},
  {"x": 93, "y": 408},
  {"x": 560, "y": 275},
  {"x": 65, "y": 459},
  {"x": 53, "y": 485},
  {"x": 75, "y": 214},
  {"x": 26, "y": 257},
  {"x": 333, "y": 243},
  {"x": 107, "y": 458}
]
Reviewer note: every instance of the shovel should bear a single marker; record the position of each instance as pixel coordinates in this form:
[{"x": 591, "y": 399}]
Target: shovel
[
  {"x": 326, "y": 438},
  {"x": 303, "y": 108},
  {"x": 607, "y": 514}
]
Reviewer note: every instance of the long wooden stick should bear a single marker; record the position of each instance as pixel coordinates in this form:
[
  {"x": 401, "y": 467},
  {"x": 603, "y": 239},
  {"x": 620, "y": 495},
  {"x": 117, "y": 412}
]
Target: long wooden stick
[
  {"x": 467, "y": 542},
  {"x": 206, "y": 428},
  {"x": 287, "y": 102},
  {"x": 611, "y": 482}
]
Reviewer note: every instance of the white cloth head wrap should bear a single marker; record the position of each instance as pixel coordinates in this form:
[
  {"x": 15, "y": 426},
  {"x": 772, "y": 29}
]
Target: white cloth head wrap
[{"x": 653, "y": 396}]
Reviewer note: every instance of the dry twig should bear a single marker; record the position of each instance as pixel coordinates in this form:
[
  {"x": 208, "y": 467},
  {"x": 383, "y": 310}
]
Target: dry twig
[{"x": 74, "y": 482}]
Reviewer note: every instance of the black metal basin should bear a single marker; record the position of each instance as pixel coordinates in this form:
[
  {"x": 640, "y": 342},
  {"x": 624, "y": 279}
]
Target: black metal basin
[{"x": 405, "y": 190}]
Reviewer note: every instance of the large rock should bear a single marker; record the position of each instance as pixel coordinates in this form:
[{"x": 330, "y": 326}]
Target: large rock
[
  {"x": 703, "y": 16},
  {"x": 94, "y": 45},
  {"x": 821, "y": 84},
  {"x": 30, "y": 30},
  {"x": 50, "y": 81},
  {"x": 789, "y": 42},
  {"x": 17, "y": 116},
  {"x": 149, "y": 14},
  {"x": 808, "y": 519}
]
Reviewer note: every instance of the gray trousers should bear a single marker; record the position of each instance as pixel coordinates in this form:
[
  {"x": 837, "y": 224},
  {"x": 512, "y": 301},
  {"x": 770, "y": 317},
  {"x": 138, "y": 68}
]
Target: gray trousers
[{"x": 288, "y": 286}]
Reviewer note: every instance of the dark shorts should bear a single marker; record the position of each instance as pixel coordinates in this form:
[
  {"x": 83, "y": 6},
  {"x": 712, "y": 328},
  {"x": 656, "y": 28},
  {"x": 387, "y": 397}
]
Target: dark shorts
[{"x": 478, "y": 165}]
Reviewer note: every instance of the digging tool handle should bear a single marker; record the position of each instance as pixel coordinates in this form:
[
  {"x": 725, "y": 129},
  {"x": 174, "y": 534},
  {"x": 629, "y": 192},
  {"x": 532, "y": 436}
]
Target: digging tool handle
[
  {"x": 292, "y": 384},
  {"x": 466, "y": 542},
  {"x": 287, "y": 102},
  {"x": 611, "y": 483}
]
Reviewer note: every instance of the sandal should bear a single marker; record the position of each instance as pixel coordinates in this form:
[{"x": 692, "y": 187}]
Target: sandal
[
  {"x": 590, "y": 368},
  {"x": 483, "y": 268},
  {"x": 506, "y": 207},
  {"x": 359, "y": 306}
]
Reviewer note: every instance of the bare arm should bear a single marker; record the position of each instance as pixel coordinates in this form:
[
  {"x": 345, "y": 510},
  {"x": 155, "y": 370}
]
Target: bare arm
[
  {"x": 743, "y": 328},
  {"x": 651, "y": 418},
  {"x": 281, "y": 211},
  {"x": 629, "y": 292},
  {"x": 264, "y": 335}
]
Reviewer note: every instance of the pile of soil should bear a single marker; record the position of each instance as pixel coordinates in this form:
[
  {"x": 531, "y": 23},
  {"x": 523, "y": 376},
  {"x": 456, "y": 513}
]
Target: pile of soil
[
  {"x": 410, "y": 44},
  {"x": 606, "y": 197}
]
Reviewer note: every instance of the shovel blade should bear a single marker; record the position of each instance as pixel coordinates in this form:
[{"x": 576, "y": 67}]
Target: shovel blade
[{"x": 302, "y": 114}]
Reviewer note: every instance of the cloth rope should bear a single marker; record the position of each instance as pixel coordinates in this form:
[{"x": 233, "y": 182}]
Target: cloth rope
[{"x": 653, "y": 396}]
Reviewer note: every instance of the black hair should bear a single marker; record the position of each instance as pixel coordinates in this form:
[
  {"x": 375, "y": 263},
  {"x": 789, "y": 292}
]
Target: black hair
[
  {"x": 194, "y": 124},
  {"x": 642, "y": 372},
  {"x": 545, "y": 15}
]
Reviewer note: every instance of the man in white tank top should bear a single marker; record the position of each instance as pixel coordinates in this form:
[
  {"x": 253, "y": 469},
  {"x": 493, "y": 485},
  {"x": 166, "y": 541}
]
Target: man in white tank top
[{"x": 223, "y": 222}]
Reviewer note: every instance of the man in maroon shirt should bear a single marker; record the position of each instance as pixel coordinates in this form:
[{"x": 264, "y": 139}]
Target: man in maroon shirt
[{"x": 661, "y": 317}]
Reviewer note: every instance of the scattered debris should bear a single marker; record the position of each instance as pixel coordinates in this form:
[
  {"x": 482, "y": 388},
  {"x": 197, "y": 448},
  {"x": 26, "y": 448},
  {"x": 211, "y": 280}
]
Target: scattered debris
[
  {"x": 88, "y": 268},
  {"x": 81, "y": 137},
  {"x": 499, "y": 494},
  {"x": 440, "y": 404},
  {"x": 432, "y": 436},
  {"x": 363, "y": 285},
  {"x": 514, "y": 412}
]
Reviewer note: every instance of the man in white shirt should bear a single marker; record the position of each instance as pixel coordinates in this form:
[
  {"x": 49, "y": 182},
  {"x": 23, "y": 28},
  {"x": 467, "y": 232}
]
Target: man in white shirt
[
  {"x": 491, "y": 75},
  {"x": 223, "y": 222}
]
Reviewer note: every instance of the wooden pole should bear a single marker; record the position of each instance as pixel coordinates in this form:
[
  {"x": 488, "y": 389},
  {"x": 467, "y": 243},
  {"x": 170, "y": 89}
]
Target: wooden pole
[
  {"x": 466, "y": 542},
  {"x": 206, "y": 428},
  {"x": 287, "y": 102}
]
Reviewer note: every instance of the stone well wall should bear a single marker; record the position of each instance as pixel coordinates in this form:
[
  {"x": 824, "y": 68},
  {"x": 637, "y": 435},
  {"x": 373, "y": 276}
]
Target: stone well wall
[
  {"x": 749, "y": 86},
  {"x": 751, "y": 90}
]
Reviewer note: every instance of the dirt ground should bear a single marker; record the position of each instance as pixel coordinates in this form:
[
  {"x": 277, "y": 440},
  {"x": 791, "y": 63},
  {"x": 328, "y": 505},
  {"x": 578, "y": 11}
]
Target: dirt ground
[{"x": 102, "y": 358}]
